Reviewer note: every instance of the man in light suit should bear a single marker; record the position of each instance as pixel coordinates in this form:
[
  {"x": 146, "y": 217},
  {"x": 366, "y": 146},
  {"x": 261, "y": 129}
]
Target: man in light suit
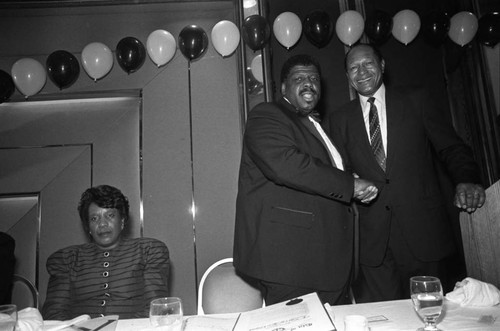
[
  {"x": 405, "y": 231},
  {"x": 294, "y": 219}
]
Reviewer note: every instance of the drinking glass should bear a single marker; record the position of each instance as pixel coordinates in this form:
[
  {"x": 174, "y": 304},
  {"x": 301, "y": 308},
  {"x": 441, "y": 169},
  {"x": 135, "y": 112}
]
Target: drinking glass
[
  {"x": 167, "y": 313},
  {"x": 8, "y": 317},
  {"x": 427, "y": 296}
]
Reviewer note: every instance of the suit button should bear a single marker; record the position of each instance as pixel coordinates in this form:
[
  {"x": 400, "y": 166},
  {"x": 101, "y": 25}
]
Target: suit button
[
  {"x": 387, "y": 180},
  {"x": 387, "y": 208}
]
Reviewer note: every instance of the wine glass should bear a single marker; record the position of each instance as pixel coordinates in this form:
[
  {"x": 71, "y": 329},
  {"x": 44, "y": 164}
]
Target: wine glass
[
  {"x": 8, "y": 317},
  {"x": 427, "y": 296},
  {"x": 167, "y": 313}
]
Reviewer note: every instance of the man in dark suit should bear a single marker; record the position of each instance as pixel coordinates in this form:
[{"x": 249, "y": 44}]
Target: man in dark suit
[
  {"x": 391, "y": 137},
  {"x": 7, "y": 264},
  {"x": 294, "y": 220}
]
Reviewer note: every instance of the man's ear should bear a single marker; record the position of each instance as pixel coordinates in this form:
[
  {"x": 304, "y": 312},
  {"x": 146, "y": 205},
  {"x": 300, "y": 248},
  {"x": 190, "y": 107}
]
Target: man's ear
[
  {"x": 382, "y": 65},
  {"x": 283, "y": 88}
]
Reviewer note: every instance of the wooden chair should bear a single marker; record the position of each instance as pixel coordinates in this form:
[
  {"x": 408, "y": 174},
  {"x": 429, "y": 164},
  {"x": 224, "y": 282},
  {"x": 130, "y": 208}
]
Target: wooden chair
[
  {"x": 481, "y": 238},
  {"x": 222, "y": 290}
]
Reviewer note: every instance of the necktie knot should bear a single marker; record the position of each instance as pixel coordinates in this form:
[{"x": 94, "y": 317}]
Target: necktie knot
[{"x": 371, "y": 100}]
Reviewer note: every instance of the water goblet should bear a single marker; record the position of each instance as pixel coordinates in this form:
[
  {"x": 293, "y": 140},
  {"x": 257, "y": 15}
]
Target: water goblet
[
  {"x": 166, "y": 313},
  {"x": 427, "y": 297},
  {"x": 8, "y": 317}
]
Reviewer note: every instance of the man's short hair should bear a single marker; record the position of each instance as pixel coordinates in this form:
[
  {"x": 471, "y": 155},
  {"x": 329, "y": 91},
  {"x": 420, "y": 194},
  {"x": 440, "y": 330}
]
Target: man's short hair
[
  {"x": 376, "y": 52},
  {"x": 299, "y": 59}
]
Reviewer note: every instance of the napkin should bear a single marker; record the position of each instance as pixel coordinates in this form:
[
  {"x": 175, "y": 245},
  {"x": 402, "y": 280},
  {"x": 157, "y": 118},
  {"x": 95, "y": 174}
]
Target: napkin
[
  {"x": 29, "y": 319},
  {"x": 472, "y": 292},
  {"x": 53, "y": 325}
]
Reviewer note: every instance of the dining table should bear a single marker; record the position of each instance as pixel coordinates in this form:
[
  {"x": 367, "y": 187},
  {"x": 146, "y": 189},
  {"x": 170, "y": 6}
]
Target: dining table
[{"x": 397, "y": 315}]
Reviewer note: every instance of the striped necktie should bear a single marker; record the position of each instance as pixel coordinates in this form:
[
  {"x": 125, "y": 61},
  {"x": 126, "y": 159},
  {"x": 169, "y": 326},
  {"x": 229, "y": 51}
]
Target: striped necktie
[{"x": 376, "y": 135}]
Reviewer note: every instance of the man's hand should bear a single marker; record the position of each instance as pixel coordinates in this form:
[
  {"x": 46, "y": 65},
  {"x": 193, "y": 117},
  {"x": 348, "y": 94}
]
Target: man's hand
[
  {"x": 364, "y": 190},
  {"x": 469, "y": 196}
]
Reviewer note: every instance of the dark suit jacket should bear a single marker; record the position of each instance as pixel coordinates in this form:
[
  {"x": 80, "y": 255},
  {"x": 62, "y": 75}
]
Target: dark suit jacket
[
  {"x": 294, "y": 223},
  {"x": 7, "y": 264},
  {"x": 409, "y": 191}
]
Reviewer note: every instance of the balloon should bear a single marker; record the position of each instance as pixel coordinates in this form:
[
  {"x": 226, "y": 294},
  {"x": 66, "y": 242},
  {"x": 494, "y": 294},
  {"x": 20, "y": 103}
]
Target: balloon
[
  {"x": 130, "y": 54},
  {"x": 405, "y": 26},
  {"x": 97, "y": 60},
  {"x": 63, "y": 68},
  {"x": 256, "y": 32},
  {"x": 193, "y": 42},
  {"x": 488, "y": 32},
  {"x": 287, "y": 29},
  {"x": 349, "y": 27},
  {"x": 7, "y": 86},
  {"x": 318, "y": 28},
  {"x": 225, "y": 37},
  {"x": 29, "y": 76},
  {"x": 161, "y": 47},
  {"x": 256, "y": 67},
  {"x": 378, "y": 27},
  {"x": 463, "y": 27},
  {"x": 435, "y": 27}
]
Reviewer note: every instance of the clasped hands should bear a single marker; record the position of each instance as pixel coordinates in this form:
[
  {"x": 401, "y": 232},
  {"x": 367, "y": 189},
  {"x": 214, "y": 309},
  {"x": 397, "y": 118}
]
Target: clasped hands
[
  {"x": 364, "y": 190},
  {"x": 469, "y": 197}
]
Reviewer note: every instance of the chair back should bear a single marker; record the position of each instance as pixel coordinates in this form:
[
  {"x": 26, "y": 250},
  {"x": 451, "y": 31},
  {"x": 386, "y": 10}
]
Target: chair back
[
  {"x": 24, "y": 293},
  {"x": 222, "y": 290},
  {"x": 481, "y": 238}
]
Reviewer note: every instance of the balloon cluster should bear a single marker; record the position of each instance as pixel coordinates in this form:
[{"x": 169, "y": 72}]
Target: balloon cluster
[
  {"x": 29, "y": 76},
  {"x": 404, "y": 26}
]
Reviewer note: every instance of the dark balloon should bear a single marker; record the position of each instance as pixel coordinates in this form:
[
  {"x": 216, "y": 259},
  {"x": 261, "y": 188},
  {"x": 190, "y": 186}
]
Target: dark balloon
[
  {"x": 256, "y": 32},
  {"x": 7, "y": 86},
  {"x": 378, "y": 27},
  {"x": 130, "y": 54},
  {"x": 193, "y": 42},
  {"x": 318, "y": 28},
  {"x": 488, "y": 32},
  {"x": 435, "y": 27},
  {"x": 63, "y": 68}
]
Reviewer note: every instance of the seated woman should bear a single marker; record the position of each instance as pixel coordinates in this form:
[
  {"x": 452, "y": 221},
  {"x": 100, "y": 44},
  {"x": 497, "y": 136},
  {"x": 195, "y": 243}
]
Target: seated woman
[{"x": 112, "y": 275}]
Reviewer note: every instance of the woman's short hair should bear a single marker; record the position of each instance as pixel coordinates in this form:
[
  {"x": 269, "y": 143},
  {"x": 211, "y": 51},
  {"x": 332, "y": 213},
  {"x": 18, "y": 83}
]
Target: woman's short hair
[
  {"x": 104, "y": 196},
  {"x": 299, "y": 59}
]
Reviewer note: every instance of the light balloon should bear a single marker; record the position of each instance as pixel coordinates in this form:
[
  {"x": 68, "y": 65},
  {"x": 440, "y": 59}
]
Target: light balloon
[
  {"x": 161, "y": 47},
  {"x": 463, "y": 27},
  {"x": 225, "y": 37},
  {"x": 29, "y": 76},
  {"x": 405, "y": 26},
  {"x": 256, "y": 67},
  {"x": 97, "y": 60},
  {"x": 287, "y": 29},
  {"x": 349, "y": 27}
]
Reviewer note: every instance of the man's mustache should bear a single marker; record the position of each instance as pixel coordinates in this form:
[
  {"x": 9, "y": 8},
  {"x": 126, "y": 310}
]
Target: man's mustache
[{"x": 308, "y": 89}]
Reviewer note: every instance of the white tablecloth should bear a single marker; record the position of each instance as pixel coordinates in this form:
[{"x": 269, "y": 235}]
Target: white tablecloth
[{"x": 402, "y": 317}]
